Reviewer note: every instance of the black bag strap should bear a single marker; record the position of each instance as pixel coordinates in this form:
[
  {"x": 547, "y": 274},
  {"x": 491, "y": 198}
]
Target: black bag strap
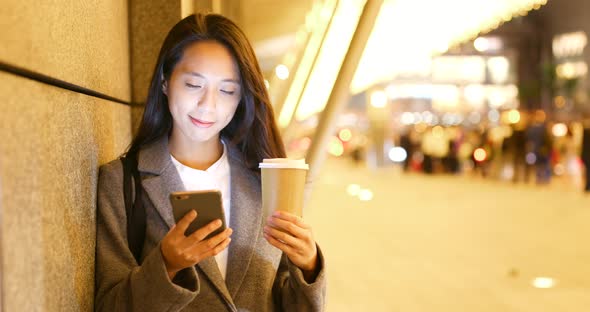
[{"x": 136, "y": 217}]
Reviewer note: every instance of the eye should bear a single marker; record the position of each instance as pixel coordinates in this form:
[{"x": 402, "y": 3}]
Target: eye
[
  {"x": 228, "y": 92},
  {"x": 193, "y": 86}
]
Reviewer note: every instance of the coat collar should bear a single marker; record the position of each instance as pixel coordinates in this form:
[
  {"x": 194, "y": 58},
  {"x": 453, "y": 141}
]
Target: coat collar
[{"x": 161, "y": 178}]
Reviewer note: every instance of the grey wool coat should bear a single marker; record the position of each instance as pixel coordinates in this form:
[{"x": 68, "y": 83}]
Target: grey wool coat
[{"x": 259, "y": 276}]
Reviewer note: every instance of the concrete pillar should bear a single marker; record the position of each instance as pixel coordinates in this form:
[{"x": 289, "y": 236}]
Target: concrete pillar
[
  {"x": 149, "y": 23},
  {"x": 341, "y": 90}
]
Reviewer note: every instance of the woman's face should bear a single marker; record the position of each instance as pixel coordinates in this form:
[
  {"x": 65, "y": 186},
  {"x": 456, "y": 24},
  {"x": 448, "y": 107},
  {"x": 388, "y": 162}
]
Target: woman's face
[{"x": 203, "y": 92}]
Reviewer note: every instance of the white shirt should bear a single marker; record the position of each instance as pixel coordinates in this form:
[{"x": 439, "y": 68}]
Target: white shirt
[{"x": 216, "y": 177}]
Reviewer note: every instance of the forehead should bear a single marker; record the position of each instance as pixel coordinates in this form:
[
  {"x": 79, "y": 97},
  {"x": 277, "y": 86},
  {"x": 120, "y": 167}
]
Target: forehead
[{"x": 209, "y": 58}]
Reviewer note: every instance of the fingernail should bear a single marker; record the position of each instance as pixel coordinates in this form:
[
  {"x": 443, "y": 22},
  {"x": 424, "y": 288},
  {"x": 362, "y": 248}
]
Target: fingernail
[{"x": 276, "y": 213}]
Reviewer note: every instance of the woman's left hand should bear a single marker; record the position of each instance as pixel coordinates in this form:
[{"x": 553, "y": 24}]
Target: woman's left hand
[{"x": 290, "y": 234}]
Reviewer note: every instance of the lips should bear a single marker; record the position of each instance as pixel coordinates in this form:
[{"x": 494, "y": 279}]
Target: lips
[{"x": 200, "y": 123}]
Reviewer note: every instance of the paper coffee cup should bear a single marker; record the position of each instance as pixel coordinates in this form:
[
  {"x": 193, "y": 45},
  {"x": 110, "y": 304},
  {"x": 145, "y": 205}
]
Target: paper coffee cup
[{"x": 283, "y": 184}]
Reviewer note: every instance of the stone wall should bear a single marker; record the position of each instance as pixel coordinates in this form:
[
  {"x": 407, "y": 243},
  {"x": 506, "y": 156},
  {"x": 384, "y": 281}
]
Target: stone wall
[{"x": 65, "y": 89}]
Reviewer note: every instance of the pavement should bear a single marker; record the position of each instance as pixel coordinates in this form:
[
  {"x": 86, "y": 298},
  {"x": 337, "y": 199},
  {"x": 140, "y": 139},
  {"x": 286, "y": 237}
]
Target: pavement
[{"x": 449, "y": 243}]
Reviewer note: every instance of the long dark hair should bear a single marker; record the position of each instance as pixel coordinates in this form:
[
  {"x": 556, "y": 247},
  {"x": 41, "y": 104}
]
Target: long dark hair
[{"x": 253, "y": 128}]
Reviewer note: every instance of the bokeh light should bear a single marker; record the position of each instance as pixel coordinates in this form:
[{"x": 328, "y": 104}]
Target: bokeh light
[
  {"x": 407, "y": 118},
  {"x": 513, "y": 116},
  {"x": 282, "y": 71},
  {"x": 379, "y": 99},
  {"x": 543, "y": 282},
  {"x": 353, "y": 189},
  {"x": 335, "y": 147},
  {"x": 559, "y": 129},
  {"x": 480, "y": 154},
  {"x": 531, "y": 158},
  {"x": 494, "y": 115},
  {"x": 345, "y": 135},
  {"x": 365, "y": 195},
  {"x": 397, "y": 154}
]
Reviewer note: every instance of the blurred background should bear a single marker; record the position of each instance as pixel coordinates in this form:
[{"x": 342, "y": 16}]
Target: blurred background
[{"x": 449, "y": 142}]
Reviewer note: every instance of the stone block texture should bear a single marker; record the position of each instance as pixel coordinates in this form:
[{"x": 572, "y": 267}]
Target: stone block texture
[
  {"x": 82, "y": 42},
  {"x": 53, "y": 141}
]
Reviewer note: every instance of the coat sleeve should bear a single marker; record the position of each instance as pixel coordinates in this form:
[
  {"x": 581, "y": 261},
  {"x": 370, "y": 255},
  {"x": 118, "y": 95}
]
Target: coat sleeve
[
  {"x": 121, "y": 284},
  {"x": 293, "y": 293}
]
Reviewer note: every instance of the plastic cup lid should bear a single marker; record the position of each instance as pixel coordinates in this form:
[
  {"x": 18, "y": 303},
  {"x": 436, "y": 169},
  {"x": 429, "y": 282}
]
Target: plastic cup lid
[{"x": 283, "y": 163}]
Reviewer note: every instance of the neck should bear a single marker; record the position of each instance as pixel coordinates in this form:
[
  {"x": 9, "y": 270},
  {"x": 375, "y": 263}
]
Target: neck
[{"x": 197, "y": 155}]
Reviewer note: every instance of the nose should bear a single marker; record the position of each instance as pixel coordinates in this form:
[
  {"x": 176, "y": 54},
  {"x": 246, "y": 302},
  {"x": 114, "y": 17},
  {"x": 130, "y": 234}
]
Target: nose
[{"x": 209, "y": 100}]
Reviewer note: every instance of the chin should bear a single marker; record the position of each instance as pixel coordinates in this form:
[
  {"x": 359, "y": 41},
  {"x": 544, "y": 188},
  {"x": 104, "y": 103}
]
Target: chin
[{"x": 202, "y": 138}]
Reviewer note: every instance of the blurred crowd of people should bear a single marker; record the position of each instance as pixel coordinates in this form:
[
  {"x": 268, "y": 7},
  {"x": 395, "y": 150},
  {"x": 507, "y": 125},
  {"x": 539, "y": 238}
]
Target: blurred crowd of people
[{"x": 529, "y": 150}]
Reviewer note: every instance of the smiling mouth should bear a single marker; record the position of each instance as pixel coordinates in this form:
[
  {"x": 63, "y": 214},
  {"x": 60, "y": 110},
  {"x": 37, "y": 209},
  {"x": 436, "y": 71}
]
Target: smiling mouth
[{"x": 200, "y": 123}]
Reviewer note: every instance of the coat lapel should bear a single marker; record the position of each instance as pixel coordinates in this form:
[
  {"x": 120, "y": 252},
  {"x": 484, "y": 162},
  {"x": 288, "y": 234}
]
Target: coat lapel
[
  {"x": 160, "y": 179},
  {"x": 211, "y": 270},
  {"x": 245, "y": 219}
]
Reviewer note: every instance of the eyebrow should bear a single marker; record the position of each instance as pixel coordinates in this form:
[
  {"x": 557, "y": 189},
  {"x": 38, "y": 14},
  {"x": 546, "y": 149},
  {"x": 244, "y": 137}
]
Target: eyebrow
[{"x": 201, "y": 76}]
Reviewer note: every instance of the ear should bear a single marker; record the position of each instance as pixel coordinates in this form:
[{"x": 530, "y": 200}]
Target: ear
[{"x": 165, "y": 87}]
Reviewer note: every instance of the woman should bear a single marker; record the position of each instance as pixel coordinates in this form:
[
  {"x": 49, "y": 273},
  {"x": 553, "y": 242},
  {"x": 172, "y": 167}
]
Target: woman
[{"x": 207, "y": 123}]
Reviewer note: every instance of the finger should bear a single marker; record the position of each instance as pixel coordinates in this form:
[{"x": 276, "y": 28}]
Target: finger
[
  {"x": 183, "y": 223},
  {"x": 282, "y": 246},
  {"x": 199, "y": 235},
  {"x": 291, "y": 218},
  {"x": 203, "y": 232},
  {"x": 282, "y": 236},
  {"x": 289, "y": 227},
  {"x": 200, "y": 254},
  {"x": 219, "y": 248},
  {"x": 212, "y": 242}
]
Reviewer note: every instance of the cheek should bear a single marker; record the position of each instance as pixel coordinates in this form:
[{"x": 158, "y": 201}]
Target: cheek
[
  {"x": 230, "y": 110},
  {"x": 177, "y": 104},
  {"x": 173, "y": 107}
]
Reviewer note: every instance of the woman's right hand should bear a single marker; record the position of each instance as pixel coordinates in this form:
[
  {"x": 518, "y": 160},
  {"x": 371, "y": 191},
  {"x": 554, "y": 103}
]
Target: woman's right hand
[{"x": 182, "y": 251}]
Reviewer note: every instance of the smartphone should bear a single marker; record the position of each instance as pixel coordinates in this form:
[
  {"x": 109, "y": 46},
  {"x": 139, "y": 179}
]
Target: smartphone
[{"x": 207, "y": 204}]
